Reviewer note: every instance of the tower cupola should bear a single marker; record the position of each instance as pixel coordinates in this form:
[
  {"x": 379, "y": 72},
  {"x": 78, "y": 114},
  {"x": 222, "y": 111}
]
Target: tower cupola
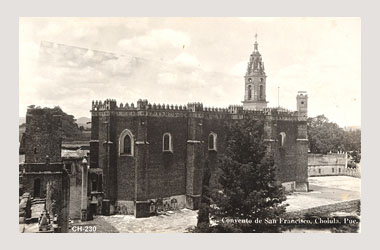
[{"x": 255, "y": 81}]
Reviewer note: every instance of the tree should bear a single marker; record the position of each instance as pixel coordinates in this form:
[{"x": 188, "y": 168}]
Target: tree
[
  {"x": 352, "y": 140},
  {"x": 324, "y": 136},
  {"x": 70, "y": 129},
  {"x": 204, "y": 207},
  {"x": 81, "y": 128},
  {"x": 248, "y": 188}
]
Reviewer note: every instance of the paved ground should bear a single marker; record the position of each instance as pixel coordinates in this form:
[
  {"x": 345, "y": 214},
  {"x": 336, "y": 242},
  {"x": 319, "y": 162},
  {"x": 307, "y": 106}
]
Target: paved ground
[{"x": 325, "y": 190}]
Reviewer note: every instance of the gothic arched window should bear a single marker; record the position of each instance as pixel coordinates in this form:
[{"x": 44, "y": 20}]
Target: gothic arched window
[
  {"x": 261, "y": 92},
  {"x": 126, "y": 146},
  {"x": 167, "y": 145},
  {"x": 212, "y": 141},
  {"x": 249, "y": 92},
  {"x": 127, "y": 149}
]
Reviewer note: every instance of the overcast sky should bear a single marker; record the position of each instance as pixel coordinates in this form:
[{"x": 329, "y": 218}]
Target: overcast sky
[{"x": 71, "y": 61}]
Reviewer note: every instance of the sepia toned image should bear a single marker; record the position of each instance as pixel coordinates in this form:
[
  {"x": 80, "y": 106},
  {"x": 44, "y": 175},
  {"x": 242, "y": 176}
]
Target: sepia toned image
[{"x": 189, "y": 125}]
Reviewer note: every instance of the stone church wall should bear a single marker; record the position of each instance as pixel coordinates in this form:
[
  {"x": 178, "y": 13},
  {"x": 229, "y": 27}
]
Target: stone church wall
[{"x": 151, "y": 174}]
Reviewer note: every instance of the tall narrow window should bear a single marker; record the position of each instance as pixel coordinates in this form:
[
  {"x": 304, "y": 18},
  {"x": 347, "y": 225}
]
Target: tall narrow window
[
  {"x": 282, "y": 139},
  {"x": 126, "y": 143},
  {"x": 212, "y": 141},
  {"x": 249, "y": 92},
  {"x": 261, "y": 92},
  {"x": 167, "y": 145},
  {"x": 94, "y": 186}
]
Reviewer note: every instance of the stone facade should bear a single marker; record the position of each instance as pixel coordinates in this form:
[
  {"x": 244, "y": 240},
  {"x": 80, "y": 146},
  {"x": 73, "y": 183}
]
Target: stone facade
[
  {"x": 148, "y": 152},
  {"x": 43, "y": 174},
  {"x": 149, "y": 172},
  {"x": 43, "y": 136}
]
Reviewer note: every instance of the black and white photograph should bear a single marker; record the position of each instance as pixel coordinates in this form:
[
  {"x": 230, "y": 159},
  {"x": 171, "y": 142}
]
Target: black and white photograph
[{"x": 189, "y": 125}]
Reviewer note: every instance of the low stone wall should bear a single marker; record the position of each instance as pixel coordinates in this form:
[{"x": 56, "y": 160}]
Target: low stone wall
[
  {"x": 330, "y": 164},
  {"x": 164, "y": 204},
  {"x": 332, "y": 170},
  {"x": 289, "y": 186},
  {"x": 327, "y": 160},
  {"x": 345, "y": 206}
]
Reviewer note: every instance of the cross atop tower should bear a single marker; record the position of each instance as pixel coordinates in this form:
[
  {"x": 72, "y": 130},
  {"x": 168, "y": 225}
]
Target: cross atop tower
[{"x": 256, "y": 44}]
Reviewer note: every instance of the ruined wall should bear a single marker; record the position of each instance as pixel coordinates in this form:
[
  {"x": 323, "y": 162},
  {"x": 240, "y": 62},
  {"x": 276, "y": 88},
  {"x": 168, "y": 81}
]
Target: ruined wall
[
  {"x": 75, "y": 176},
  {"x": 42, "y": 136},
  {"x": 54, "y": 187},
  {"x": 41, "y": 171}
]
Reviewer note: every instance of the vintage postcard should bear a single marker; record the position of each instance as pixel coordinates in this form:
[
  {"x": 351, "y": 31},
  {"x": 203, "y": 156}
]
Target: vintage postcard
[{"x": 189, "y": 125}]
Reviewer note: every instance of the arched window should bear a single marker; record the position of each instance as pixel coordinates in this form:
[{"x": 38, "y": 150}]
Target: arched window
[
  {"x": 167, "y": 145},
  {"x": 212, "y": 141},
  {"x": 261, "y": 92},
  {"x": 126, "y": 143},
  {"x": 127, "y": 149},
  {"x": 249, "y": 92},
  {"x": 282, "y": 139}
]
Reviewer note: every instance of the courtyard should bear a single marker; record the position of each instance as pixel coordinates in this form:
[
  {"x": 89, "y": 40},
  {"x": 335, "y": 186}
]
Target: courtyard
[{"x": 323, "y": 191}]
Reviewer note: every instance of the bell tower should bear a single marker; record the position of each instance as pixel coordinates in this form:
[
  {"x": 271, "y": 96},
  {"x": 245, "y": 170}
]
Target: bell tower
[{"x": 255, "y": 81}]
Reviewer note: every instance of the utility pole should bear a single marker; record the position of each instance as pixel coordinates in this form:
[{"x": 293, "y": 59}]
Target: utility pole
[{"x": 278, "y": 96}]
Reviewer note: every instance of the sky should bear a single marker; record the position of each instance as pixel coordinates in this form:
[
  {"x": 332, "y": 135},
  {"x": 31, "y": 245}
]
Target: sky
[{"x": 69, "y": 62}]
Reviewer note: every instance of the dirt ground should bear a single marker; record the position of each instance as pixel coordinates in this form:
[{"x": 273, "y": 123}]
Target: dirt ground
[{"x": 323, "y": 191}]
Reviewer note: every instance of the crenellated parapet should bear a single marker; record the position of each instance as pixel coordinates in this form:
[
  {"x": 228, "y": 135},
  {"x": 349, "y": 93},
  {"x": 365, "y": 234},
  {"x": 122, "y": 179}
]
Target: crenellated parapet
[
  {"x": 108, "y": 104},
  {"x": 170, "y": 110},
  {"x": 195, "y": 106},
  {"x": 235, "y": 109}
]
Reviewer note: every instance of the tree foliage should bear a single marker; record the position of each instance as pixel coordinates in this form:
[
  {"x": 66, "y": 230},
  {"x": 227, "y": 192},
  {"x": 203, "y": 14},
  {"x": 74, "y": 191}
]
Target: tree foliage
[
  {"x": 70, "y": 129},
  {"x": 325, "y": 136},
  {"x": 248, "y": 188}
]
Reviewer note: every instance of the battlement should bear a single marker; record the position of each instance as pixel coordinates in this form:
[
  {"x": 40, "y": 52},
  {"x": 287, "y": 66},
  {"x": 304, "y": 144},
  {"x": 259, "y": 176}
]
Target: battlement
[
  {"x": 302, "y": 93},
  {"x": 144, "y": 105},
  {"x": 108, "y": 104},
  {"x": 195, "y": 106}
]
